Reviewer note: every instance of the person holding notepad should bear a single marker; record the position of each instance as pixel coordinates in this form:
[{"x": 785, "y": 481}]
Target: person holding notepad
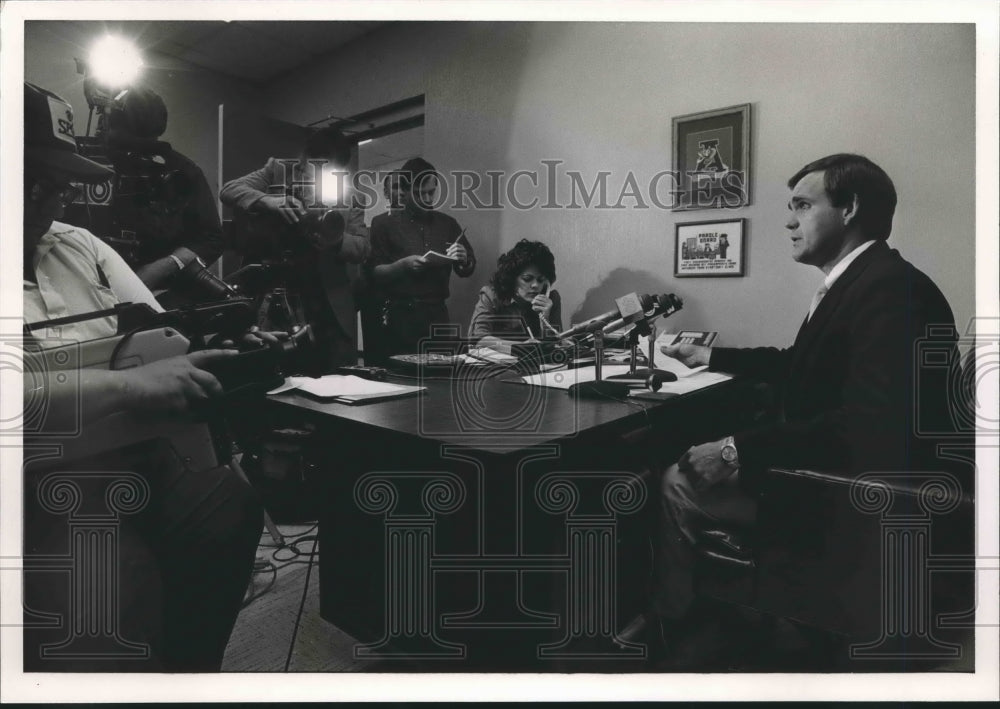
[
  {"x": 518, "y": 304},
  {"x": 414, "y": 252}
]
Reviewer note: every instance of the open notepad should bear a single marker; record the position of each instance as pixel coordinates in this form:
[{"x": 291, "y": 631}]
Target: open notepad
[
  {"x": 437, "y": 258},
  {"x": 346, "y": 389}
]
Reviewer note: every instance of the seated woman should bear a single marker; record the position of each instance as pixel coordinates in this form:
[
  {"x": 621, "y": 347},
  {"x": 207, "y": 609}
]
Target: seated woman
[{"x": 517, "y": 304}]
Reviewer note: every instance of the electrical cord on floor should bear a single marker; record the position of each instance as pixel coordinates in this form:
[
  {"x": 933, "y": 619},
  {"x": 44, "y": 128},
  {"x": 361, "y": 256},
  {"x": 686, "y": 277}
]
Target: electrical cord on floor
[
  {"x": 267, "y": 565},
  {"x": 302, "y": 605},
  {"x": 297, "y": 536}
]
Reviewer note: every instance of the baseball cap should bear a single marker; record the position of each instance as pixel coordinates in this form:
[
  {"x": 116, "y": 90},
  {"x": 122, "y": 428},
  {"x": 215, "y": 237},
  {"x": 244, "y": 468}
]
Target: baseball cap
[{"x": 49, "y": 140}]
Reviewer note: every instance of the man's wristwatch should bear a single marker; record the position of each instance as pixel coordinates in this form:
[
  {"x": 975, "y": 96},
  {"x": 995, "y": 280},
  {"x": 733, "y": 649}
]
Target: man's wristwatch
[
  {"x": 177, "y": 261},
  {"x": 729, "y": 453}
]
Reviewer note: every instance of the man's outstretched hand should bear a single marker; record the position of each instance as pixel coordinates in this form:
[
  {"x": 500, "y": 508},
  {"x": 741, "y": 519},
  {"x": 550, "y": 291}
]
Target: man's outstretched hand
[{"x": 688, "y": 355}]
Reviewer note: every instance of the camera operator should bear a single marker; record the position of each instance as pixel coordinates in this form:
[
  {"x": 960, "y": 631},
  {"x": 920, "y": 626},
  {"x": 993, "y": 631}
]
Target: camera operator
[
  {"x": 172, "y": 595},
  {"x": 160, "y": 195},
  {"x": 285, "y": 198}
]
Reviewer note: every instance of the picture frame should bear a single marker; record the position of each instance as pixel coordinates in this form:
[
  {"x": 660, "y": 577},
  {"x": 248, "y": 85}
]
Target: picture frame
[
  {"x": 711, "y": 154},
  {"x": 714, "y": 248}
]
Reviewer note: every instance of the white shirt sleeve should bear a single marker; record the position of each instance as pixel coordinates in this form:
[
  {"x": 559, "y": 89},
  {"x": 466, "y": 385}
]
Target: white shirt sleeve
[{"x": 128, "y": 287}]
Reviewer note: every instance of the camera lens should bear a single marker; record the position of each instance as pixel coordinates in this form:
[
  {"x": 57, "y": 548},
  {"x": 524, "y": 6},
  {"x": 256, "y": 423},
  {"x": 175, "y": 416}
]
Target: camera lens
[{"x": 204, "y": 284}]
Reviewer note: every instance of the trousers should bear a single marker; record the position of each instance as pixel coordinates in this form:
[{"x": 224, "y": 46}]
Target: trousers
[
  {"x": 683, "y": 512},
  {"x": 183, "y": 563}
]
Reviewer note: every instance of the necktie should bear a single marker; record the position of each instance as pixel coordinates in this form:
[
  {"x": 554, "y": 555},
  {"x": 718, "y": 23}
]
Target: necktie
[{"x": 816, "y": 299}]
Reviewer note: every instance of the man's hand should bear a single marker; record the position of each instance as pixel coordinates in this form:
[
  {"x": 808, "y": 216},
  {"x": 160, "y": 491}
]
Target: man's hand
[
  {"x": 457, "y": 250},
  {"x": 252, "y": 339},
  {"x": 704, "y": 465},
  {"x": 413, "y": 264},
  {"x": 174, "y": 385},
  {"x": 289, "y": 208},
  {"x": 689, "y": 355}
]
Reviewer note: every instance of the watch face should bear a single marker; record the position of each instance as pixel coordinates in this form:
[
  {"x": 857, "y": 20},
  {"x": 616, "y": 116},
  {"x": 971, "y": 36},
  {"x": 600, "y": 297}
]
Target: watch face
[{"x": 729, "y": 454}]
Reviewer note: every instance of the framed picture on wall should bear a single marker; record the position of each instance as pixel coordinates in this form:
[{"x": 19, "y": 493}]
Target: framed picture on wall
[
  {"x": 716, "y": 248},
  {"x": 712, "y": 158}
]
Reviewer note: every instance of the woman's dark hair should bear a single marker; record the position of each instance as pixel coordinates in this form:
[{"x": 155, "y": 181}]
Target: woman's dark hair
[{"x": 510, "y": 265}]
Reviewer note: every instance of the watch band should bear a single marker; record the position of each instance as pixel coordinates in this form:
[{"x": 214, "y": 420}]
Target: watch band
[{"x": 729, "y": 453}]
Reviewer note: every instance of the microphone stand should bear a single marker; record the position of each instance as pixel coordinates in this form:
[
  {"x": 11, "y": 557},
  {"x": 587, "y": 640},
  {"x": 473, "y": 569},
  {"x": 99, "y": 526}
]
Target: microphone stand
[
  {"x": 599, "y": 388},
  {"x": 641, "y": 374}
]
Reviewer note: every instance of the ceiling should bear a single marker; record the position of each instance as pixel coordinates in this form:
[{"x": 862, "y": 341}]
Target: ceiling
[{"x": 257, "y": 52}]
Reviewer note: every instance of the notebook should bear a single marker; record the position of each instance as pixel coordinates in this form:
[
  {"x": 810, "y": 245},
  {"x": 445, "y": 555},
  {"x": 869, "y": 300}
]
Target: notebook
[{"x": 437, "y": 258}]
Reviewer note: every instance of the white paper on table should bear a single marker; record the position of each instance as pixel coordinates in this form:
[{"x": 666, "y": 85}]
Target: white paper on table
[
  {"x": 692, "y": 382},
  {"x": 333, "y": 385},
  {"x": 477, "y": 355},
  {"x": 565, "y": 378}
]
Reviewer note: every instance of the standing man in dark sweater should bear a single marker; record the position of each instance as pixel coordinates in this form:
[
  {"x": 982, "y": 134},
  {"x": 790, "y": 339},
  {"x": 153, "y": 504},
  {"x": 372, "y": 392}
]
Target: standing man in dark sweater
[{"x": 416, "y": 288}]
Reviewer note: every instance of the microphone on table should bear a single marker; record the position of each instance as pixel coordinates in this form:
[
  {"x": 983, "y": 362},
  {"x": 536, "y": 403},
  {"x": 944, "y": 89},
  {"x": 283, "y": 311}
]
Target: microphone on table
[
  {"x": 617, "y": 387},
  {"x": 665, "y": 305}
]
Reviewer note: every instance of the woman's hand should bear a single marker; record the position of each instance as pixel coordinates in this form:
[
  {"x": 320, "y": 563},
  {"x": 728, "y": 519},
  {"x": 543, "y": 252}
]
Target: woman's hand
[{"x": 542, "y": 304}]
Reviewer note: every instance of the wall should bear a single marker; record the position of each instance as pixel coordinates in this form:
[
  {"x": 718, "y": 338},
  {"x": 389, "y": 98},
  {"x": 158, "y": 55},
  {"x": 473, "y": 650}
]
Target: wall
[
  {"x": 192, "y": 95},
  {"x": 599, "y": 97}
]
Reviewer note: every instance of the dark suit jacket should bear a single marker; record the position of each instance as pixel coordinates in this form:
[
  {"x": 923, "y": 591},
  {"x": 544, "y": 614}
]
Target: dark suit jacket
[
  {"x": 848, "y": 383},
  {"x": 339, "y": 270}
]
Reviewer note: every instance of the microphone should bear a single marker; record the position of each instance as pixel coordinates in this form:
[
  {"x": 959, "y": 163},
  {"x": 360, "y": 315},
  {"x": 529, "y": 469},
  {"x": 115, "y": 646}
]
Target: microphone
[
  {"x": 630, "y": 308},
  {"x": 665, "y": 305}
]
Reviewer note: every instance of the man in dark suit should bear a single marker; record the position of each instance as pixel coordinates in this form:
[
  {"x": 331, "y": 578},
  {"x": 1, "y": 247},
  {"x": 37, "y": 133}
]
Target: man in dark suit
[
  {"x": 286, "y": 191},
  {"x": 846, "y": 385}
]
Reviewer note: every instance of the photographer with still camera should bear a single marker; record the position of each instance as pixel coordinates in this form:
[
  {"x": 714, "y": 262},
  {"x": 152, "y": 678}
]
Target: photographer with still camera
[
  {"x": 299, "y": 214},
  {"x": 171, "y": 597}
]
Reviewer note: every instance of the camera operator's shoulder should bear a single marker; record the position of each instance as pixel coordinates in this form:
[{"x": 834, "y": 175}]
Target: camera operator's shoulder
[
  {"x": 179, "y": 161},
  {"x": 74, "y": 237}
]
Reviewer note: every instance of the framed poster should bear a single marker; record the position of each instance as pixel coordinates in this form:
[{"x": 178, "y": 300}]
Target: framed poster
[
  {"x": 716, "y": 248},
  {"x": 712, "y": 159}
]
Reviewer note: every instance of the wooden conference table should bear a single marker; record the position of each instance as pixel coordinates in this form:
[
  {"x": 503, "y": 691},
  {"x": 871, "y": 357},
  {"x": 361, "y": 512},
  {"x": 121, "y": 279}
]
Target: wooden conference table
[{"x": 493, "y": 523}]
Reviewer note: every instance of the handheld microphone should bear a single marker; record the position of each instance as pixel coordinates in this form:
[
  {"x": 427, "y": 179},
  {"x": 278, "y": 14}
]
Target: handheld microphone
[{"x": 630, "y": 308}]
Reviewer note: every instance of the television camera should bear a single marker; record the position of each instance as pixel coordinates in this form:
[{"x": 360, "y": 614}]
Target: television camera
[{"x": 145, "y": 336}]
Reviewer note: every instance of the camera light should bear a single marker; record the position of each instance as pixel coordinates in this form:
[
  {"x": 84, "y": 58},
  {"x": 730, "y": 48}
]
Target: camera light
[
  {"x": 114, "y": 62},
  {"x": 334, "y": 188}
]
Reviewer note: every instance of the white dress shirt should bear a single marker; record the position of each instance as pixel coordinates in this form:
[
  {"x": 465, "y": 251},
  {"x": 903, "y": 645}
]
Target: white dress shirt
[{"x": 66, "y": 263}]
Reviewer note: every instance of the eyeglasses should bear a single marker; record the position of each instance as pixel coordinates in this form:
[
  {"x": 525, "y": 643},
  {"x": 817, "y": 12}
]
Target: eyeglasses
[{"x": 66, "y": 194}]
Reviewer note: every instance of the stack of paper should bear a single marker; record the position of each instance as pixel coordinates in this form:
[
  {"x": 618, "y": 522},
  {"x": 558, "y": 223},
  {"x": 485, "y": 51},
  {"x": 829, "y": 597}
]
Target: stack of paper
[
  {"x": 490, "y": 355},
  {"x": 346, "y": 388}
]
